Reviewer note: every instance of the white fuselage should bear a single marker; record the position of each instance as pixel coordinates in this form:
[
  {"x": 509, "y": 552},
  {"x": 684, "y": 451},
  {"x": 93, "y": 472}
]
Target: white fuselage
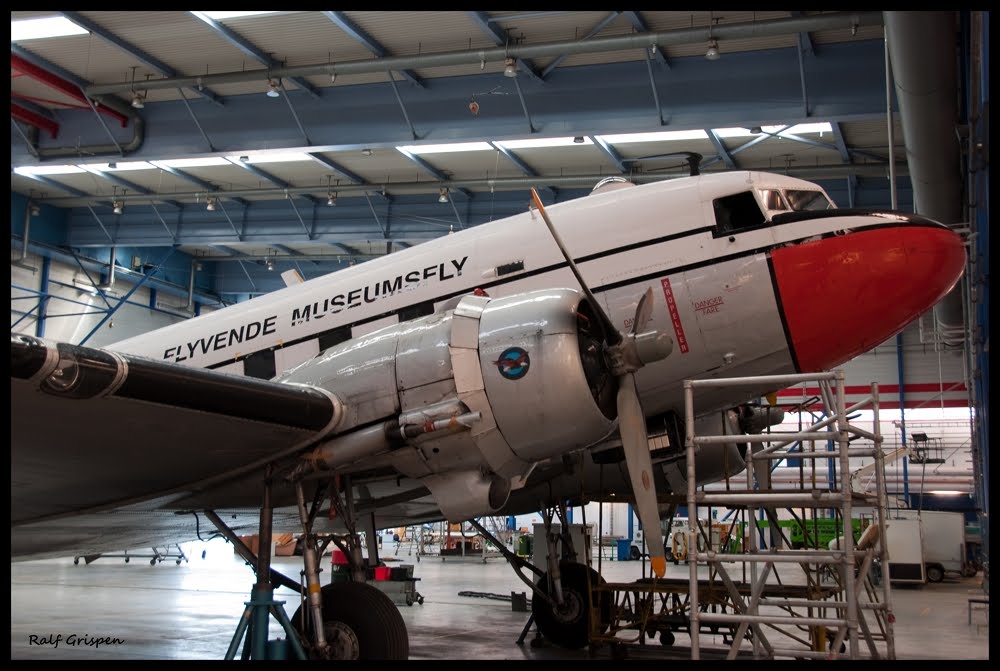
[{"x": 713, "y": 293}]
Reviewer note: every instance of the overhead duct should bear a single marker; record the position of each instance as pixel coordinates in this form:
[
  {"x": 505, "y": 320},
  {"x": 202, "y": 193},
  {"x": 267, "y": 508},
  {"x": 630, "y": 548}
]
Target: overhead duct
[
  {"x": 25, "y": 62},
  {"x": 922, "y": 53}
]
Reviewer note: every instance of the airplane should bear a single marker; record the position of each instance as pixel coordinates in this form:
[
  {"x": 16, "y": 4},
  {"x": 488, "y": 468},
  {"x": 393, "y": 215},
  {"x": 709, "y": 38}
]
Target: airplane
[{"x": 513, "y": 367}]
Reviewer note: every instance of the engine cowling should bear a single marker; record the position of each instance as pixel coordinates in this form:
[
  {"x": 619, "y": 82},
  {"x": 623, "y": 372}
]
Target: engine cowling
[{"x": 469, "y": 399}]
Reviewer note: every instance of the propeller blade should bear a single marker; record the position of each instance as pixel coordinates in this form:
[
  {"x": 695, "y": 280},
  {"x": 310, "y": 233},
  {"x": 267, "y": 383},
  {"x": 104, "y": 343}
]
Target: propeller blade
[
  {"x": 643, "y": 311},
  {"x": 635, "y": 442},
  {"x": 613, "y": 335}
]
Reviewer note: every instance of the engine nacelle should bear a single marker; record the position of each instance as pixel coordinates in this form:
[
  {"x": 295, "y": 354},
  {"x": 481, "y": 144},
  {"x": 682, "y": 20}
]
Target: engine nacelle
[{"x": 468, "y": 400}]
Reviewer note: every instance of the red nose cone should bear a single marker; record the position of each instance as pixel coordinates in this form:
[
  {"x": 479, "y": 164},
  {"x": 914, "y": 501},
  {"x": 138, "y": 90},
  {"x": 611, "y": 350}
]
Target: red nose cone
[{"x": 844, "y": 295}]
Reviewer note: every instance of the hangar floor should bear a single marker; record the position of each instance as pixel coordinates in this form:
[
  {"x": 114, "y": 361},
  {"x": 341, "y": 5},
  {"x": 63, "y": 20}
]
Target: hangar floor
[{"x": 191, "y": 610}]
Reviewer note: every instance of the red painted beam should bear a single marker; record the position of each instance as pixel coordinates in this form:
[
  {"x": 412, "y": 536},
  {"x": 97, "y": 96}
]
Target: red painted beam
[
  {"x": 35, "y": 119},
  {"x": 58, "y": 83}
]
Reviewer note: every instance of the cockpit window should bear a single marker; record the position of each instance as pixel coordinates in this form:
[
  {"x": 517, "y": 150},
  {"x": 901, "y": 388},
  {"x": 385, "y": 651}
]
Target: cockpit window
[
  {"x": 773, "y": 200},
  {"x": 737, "y": 212},
  {"x": 808, "y": 200}
]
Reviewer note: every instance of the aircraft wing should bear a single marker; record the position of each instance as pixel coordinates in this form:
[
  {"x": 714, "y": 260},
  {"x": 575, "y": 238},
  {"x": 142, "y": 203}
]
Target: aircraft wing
[{"x": 93, "y": 430}]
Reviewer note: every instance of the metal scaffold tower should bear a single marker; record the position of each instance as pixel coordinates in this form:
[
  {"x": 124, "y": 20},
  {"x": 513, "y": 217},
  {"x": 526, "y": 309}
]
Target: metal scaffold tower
[{"x": 840, "y": 605}]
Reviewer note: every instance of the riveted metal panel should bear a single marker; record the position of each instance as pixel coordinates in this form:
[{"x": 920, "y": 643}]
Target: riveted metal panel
[{"x": 422, "y": 356}]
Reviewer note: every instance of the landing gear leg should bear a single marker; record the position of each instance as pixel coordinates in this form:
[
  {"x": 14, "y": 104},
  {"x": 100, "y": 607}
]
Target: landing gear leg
[
  {"x": 564, "y": 604},
  {"x": 353, "y": 619}
]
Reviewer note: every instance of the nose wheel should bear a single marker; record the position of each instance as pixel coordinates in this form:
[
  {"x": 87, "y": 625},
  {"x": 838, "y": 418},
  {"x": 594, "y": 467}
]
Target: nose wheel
[{"x": 568, "y": 624}]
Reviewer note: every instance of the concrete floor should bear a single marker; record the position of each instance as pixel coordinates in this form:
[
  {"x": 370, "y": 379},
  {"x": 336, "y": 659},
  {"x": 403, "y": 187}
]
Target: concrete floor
[{"x": 191, "y": 611}]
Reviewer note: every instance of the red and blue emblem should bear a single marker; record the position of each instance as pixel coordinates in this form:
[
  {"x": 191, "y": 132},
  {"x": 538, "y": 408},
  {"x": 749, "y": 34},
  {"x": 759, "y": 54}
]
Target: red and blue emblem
[{"x": 513, "y": 364}]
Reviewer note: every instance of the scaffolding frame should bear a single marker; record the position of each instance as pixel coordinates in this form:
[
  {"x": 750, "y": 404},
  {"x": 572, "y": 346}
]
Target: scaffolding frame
[{"x": 841, "y": 611}]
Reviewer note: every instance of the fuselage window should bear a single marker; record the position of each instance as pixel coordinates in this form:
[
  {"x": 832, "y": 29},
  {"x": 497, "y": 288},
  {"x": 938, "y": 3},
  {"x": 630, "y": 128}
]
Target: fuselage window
[
  {"x": 414, "y": 311},
  {"x": 260, "y": 365},
  {"x": 738, "y": 212},
  {"x": 333, "y": 337}
]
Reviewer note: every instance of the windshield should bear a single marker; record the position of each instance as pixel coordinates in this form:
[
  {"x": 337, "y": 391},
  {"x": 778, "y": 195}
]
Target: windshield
[{"x": 808, "y": 200}]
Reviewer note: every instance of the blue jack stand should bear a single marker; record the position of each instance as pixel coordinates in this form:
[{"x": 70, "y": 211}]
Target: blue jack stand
[{"x": 255, "y": 620}]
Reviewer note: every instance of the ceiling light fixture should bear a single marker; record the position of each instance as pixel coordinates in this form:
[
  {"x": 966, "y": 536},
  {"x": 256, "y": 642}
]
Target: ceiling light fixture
[
  {"x": 138, "y": 100},
  {"x": 331, "y": 200},
  {"x": 118, "y": 206},
  {"x": 443, "y": 195},
  {"x": 273, "y": 89},
  {"x": 210, "y": 204},
  {"x": 713, "y": 51},
  {"x": 578, "y": 139},
  {"x": 713, "y": 46},
  {"x": 510, "y": 67}
]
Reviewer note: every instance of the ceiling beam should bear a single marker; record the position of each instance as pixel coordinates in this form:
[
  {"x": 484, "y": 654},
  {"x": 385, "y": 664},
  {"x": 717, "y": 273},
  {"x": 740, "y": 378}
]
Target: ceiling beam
[
  {"x": 601, "y": 25},
  {"x": 359, "y": 35},
  {"x": 641, "y": 26},
  {"x": 502, "y": 39},
  {"x": 254, "y": 52},
  {"x": 149, "y": 61},
  {"x": 732, "y": 31}
]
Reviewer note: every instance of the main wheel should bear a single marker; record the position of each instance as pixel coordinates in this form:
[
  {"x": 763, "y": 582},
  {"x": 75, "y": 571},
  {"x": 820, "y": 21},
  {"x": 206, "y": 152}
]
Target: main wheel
[
  {"x": 569, "y": 625},
  {"x": 935, "y": 573},
  {"x": 634, "y": 553},
  {"x": 360, "y": 622}
]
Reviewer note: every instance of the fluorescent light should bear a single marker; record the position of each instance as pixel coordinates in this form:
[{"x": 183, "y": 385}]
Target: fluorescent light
[
  {"x": 31, "y": 170},
  {"x": 946, "y": 492},
  {"x": 269, "y": 158},
  {"x": 445, "y": 148},
  {"x": 193, "y": 162},
  {"x": 122, "y": 165},
  {"x": 536, "y": 143},
  {"x": 660, "y": 136},
  {"x": 222, "y": 16},
  {"x": 800, "y": 129},
  {"x": 36, "y": 29},
  {"x": 732, "y": 132}
]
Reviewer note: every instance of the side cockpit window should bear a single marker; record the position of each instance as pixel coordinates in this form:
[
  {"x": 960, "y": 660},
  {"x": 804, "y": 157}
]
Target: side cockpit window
[
  {"x": 773, "y": 200},
  {"x": 738, "y": 212}
]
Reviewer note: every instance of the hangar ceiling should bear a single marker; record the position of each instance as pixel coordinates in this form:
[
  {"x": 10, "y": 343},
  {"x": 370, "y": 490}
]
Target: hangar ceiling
[{"x": 315, "y": 139}]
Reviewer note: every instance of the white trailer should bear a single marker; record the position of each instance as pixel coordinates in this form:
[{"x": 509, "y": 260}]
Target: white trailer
[
  {"x": 943, "y": 542},
  {"x": 903, "y": 539}
]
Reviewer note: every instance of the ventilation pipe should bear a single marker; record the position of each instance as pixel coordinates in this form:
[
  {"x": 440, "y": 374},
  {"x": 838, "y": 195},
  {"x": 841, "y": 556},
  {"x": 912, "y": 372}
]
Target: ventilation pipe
[
  {"x": 30, "y": 210},
  {"x": 922, "y": 52},
  {"x": 190, "y": 303},
  {"x": 106, "y": 286},
  {"x": 109, "y": 105}
]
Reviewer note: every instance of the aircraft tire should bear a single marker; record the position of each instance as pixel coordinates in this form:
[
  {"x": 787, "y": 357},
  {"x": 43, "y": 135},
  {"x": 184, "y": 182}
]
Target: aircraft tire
[
  {"x": 935, "y": 573},
  {"x": 367, "y": 617},
  {"x": 570, "y": 627}
]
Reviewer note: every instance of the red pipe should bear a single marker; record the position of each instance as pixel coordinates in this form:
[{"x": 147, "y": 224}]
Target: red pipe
[
  {"x": 58, "y": 83},
  {"x": 36, "y": 120}
]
